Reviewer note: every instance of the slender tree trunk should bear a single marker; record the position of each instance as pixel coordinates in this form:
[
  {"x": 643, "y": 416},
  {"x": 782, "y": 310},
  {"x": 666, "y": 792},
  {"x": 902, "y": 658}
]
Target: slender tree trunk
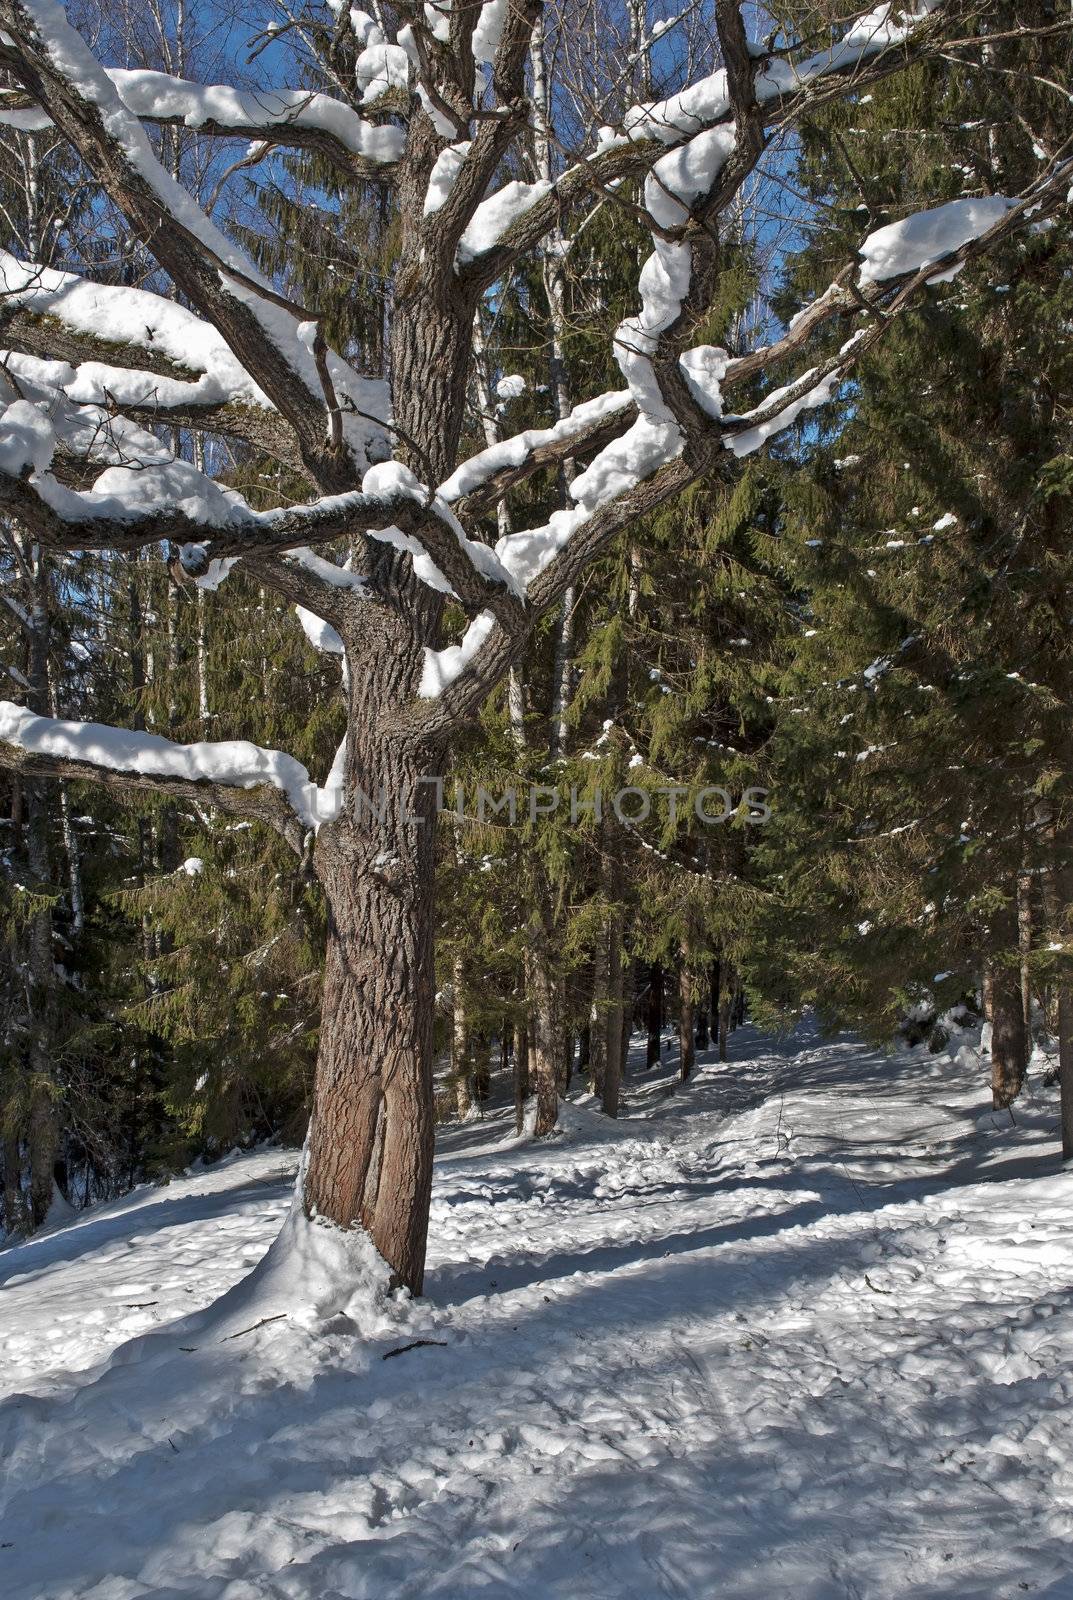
[
  {"x": 655, "y": 1014},
  {"x": 714, "y": 976},
  {"x": 629, "y": 994},
  {"x": 566, "y": 1061},
  {"x": 482, "y": 1068},
  {"x": 1057, "y": 898},
  {"x": 1065, "y": 1065},
  {"x": 1024, "y": 943},
  {"x": 701, "y": 1032},
  {"x": 43, "y": 1130},
  {"x": 521, "y": 1074},
  {"x": 545, "y": 1042},
  {"x": 1007, "y": 1010},
  {"x": 615, "y": 981},
  {"x": 460, "y": 1043},
  {"x": 14, "y": 1205},
  {"x": 726, "y": 1000},
  {"x": 1007, "y": 1037},
  {"x": 598, "y": 1016},
  {"x": 686, "y": 1048}
]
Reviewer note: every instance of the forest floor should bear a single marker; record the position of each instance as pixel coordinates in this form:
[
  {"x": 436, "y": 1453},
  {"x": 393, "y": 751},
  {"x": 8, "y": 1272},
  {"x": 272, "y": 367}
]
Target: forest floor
[{"x": 799, "y": 1330}]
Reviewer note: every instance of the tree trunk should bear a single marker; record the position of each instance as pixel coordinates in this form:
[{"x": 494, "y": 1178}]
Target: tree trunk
[
  {"x": 598, "y": 1016},
  {"x": 1007, "y": 1035},
  {"x": 1057, "y": 883},
  {"x": 701, "y": 1034},
  {"x": 460, "y": 1043},
  {"x": 715, "y": 976},
  {"x": 43, "y": 1131},
  {"x": 521, "y": 1074},
  {"x": 566, "y": 1062},
  {"x": 1024, "y": 942},
  {"x": 686, "y": 1049},
  {"x": 615, "y": 984},
  {"x": 14, "y": 1207},
  {"x": 655, "y": 1014},
  {"x": 1065, "y": 1064},
  {"x": 629, "y": 992},
  {"x": 482, "y": 1068},
  {"x": 370, "y": 1142},
  {"x": 371, "y": 1136},
  {"x": 545, "y": 1033},
  {"x": 726, "y": 1000}
]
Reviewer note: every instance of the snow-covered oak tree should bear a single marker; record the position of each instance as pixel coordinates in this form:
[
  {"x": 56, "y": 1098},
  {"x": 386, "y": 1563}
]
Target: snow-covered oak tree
[{"x": 439, "y": 102}]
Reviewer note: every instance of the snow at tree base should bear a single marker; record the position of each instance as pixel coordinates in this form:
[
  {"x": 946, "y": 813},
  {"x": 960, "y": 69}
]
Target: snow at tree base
[{"x": 801, "y": 1331}]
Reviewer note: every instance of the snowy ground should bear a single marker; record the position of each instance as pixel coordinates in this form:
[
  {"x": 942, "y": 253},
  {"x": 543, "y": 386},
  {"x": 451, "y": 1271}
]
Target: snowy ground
[{"x": 800, "y": 1330}]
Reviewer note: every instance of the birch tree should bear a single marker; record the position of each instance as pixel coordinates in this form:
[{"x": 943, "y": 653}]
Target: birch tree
[{"x": 434, "y": 103}]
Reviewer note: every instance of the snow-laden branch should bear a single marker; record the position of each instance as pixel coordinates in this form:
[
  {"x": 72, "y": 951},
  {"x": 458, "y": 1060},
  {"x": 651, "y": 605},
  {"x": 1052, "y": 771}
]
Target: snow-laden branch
[
  {"x": 512, "y": 221},
  {"x": 146, "y": 495},
  {"x": 274, "y": 343},
  {"x": 644, "y": 467},
  {"x": 233, "y": 775},
  {"x": 297, "y": 118},
  {"x": 490, "y": 473},
  {"x": 134, "y": 351}
]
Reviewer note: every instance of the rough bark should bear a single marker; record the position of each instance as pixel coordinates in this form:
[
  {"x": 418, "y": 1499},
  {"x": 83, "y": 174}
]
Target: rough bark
[{"x": 371, "y": 1134}]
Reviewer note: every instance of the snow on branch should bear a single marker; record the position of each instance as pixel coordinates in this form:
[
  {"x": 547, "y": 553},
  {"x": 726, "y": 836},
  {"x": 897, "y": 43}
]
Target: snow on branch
[
  {"x": 146, "y": 495},
  {"x": 146, "y": 355},
  {"x": 276, "y": 343},
  {"x": 234, "y": 775},
  {"x": 644, "y": 466},
  {"x": 132, "y": 325},
  {"x": 514, "y": 219},
  {"x": 298, "y": 118},
  {"x": 488, "y": 474}
]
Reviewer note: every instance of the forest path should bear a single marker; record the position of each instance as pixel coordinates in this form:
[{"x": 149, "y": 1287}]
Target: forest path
[{"x": 800, "y": 1328}]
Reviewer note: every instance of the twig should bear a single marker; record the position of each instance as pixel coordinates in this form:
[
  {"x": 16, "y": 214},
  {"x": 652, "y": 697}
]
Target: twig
[
  {"x": 277, "y": 1318},
  {"x": 401, "y": 1349}
]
